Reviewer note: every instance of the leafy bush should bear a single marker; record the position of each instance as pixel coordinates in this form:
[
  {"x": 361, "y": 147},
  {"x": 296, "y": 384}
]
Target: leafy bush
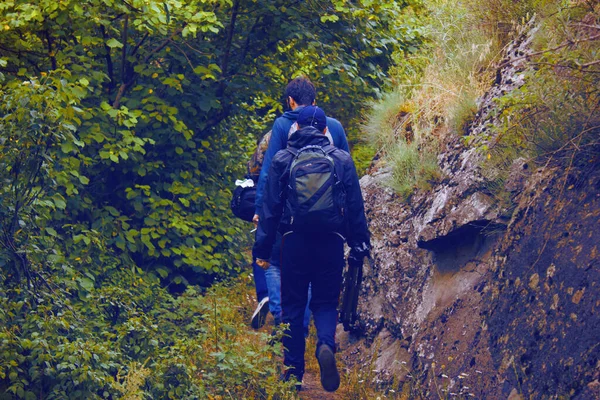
[
  {"x": 135, "y": 342},
  {"x": 553, "y": 119},
  {"x": 150, "y": 111}
]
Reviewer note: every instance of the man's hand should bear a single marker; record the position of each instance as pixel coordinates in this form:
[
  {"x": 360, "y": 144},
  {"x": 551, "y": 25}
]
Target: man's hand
[
  {"x": 264, "y": 264},
  {"x": 255, "y": 220},
  {"x": 357, "y": 255}
]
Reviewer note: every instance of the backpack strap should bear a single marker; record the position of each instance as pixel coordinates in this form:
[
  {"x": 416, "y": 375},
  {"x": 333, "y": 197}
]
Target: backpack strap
[
  {"x": 292, "y": 151},
  {"x": 312, "y": 147},
  {"x": 329, "y": 149}
]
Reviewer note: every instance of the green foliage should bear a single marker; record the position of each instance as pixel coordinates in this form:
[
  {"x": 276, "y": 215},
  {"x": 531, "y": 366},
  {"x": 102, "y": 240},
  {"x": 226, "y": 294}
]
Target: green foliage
[
  {"x": 412, "y": 167},
  {"x": 362, "y": 155},
  {"x": 499, "y": 18},
  {"x": 463, "y": 114},
  {"x": 36, "y": 172},
  {"x": 388, "y": 118},
  {"x": 139, "y": 340},
  {"x": 161, "y": 101},
  {"x": 122, "y": 128},
  {"x": 553, "y": 118}
]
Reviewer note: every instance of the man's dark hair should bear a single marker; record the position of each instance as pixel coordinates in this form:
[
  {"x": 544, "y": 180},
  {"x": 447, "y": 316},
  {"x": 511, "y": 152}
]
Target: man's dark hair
[{"x": 302, "y": 90}]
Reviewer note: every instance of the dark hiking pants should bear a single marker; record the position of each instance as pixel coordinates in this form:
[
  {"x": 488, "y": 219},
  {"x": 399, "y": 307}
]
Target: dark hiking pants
[{"x": 316, "y": 259}]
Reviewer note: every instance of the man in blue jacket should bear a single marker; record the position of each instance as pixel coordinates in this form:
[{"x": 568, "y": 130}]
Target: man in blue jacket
[
  {"x": 311, "y": 257},
  {"x": 299, "y": 93}
]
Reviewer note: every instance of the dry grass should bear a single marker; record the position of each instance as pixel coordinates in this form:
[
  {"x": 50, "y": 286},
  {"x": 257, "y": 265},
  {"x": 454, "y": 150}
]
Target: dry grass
[{"x": 409, "y": 124}]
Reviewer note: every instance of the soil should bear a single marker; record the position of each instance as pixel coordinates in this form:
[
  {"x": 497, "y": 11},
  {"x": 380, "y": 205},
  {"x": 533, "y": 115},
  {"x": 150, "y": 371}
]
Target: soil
[{"x": 312, "y": 389}]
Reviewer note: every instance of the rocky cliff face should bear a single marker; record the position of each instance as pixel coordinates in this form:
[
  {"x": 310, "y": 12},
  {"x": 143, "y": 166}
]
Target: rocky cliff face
[{"x": 474, "y": 296}]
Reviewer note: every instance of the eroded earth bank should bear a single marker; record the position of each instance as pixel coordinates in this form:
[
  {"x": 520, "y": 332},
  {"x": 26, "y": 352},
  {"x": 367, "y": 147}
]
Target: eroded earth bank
[{"x": 476, "y": 295}]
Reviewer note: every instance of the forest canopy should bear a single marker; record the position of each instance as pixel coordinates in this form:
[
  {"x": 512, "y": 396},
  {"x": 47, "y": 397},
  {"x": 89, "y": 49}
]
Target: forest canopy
[{"x": 124, "y": 121}]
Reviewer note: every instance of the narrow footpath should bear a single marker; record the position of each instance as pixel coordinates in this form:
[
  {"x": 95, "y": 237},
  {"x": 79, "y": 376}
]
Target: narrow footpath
[{"x": 312, "y": 389}]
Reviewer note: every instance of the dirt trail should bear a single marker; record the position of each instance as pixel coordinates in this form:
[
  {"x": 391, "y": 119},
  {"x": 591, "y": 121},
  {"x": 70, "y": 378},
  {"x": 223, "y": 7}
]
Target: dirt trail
[
  {"x": 312, "y": 389},
  {"x": 311, "y": 382}
]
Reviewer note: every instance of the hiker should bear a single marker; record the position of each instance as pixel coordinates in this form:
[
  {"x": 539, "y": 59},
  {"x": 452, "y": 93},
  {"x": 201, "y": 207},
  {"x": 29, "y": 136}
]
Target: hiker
[
  {"x": 299, "y": 93},
  {"x": 313, "y": 199},
  {"x": 242, "y": 206}
]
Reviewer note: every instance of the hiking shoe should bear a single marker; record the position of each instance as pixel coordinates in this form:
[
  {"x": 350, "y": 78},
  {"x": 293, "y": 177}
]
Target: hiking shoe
[
  {"x": 330, "y": 378},
  {"x": 260, "y": 314}
]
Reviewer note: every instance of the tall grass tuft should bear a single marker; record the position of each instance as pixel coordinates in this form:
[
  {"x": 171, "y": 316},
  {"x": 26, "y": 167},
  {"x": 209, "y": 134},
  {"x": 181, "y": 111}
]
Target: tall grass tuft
[
  {"x": 433, "y": 101},
  {"x": 411, "y": 167}
]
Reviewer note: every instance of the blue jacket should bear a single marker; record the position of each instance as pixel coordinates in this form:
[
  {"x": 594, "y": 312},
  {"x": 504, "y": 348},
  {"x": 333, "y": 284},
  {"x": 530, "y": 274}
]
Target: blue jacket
[
  {"x": 273, "y": 217},
  {"x": 279, "y": 139}
]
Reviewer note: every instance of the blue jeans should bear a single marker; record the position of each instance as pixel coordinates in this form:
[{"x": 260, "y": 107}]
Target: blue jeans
[
  {"x": 260, "y": 282},
  {"x": 273, "y": 281},
  {"x": 316, "y": 260}
]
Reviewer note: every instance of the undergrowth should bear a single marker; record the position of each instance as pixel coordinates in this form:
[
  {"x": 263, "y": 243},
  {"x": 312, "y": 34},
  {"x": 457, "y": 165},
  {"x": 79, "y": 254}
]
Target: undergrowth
[
  {"x": 137, "y": 343},
  {"x": 552, "y": 119}
]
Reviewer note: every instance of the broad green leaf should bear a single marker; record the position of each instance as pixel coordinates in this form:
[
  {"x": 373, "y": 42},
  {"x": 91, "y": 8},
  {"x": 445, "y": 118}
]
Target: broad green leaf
[{"x": 114, "y": 43}]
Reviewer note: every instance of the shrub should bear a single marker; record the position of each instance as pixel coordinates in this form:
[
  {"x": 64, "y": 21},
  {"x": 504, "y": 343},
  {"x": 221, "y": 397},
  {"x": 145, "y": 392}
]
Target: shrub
[
  {"x": 553, "y": 119},
  {"x": 412, "y": 167},
  {"x": 192, "y": 346}
]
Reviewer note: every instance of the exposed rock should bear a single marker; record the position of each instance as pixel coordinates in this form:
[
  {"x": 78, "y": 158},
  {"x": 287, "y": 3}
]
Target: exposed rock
[
  {"x": 518, "y": 174},
  {"x": 473, "y": 296},
  {"x": 549, "y": 327}
]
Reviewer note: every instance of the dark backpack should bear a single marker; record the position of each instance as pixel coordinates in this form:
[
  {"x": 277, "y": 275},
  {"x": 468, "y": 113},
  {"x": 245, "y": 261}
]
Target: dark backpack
[
  {"x": 242, "y": 202},
  {"x": 242, "y": 199},
  {"x": 315, "y": 196}
]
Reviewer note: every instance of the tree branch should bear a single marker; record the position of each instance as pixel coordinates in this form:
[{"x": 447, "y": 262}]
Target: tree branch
[
  {"x": 225, "y": 60},
  {"x": 51, "y": 53},
  {"x": 139, "y": 44},
  {"x": 124, "y": 49},
  {"x": 163, "y": 44},
  {"x": 126, "y": 84},
  {"x": 185, "y": 55},
  {"x": 537, "y": 53},
  {"x": 131, "y": 7},
  {"x": 247, "y": 43},
  {"x": 109, "y": 63},
  {"x": 197, "y": 51},
  {"x": 586, "y": 65}
]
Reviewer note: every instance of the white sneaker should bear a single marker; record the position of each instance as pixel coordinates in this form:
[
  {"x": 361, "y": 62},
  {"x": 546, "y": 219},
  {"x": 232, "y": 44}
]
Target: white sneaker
[{"x": 260, "y": 314}]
